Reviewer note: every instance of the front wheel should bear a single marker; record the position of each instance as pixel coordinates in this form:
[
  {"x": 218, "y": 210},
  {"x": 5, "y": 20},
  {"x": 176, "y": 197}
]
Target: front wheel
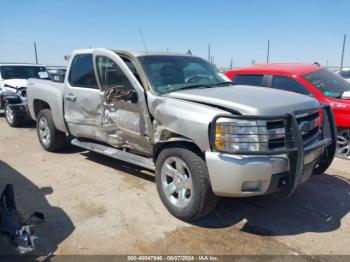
[
  {"x": 183, "y": 184},
  {"x": 50, "y": 138},
  {"x": 11, "y": 118}
]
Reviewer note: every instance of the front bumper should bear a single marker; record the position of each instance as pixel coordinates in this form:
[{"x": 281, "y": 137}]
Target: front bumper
[{"x": 243, "y": 174}]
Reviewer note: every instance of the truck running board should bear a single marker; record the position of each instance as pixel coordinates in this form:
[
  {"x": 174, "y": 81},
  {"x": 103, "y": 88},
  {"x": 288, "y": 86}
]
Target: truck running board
[{"x": 116, "y": 153}]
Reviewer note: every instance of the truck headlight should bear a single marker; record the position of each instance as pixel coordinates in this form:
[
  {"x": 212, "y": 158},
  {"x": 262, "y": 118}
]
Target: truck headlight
[{"x": 237, "y": 135}]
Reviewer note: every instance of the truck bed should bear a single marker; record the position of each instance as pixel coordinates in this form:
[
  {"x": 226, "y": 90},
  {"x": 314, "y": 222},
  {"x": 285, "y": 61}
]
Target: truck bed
[{"x": 50, "y": 93}]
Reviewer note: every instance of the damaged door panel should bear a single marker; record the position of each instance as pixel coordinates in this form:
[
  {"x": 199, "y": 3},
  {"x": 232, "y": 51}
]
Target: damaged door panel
[{"x": 123, "y": 118}]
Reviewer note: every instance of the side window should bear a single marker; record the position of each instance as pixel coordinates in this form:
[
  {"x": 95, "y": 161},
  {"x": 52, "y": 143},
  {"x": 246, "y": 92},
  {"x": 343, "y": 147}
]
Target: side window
[
  {"x": 250, "y": 80},
  {"x": 110, "y": 75},
  {"x": 82, "y": 72},
  {"x": 288, "y": 84}
]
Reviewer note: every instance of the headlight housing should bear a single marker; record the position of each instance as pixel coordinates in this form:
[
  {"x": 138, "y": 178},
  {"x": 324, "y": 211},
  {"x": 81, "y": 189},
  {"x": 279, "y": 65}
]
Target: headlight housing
[{"x": 243, "y": 135}]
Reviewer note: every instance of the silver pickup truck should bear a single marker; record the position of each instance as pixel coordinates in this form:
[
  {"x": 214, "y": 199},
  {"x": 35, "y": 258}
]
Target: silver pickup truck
[{"x": 178, "y": 115}]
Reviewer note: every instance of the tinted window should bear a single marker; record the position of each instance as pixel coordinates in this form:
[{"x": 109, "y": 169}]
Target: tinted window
[
  {"x": 23, "y": 72},
  {"x": 82, "y": 72},
  {"x": 250, "y": 80},
  {"x": 288, "y": 84},
  {"x": 110, "y": 75}
]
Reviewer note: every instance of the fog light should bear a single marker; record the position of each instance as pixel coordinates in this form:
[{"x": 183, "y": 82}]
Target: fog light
[{"x": 251, "y": 186}]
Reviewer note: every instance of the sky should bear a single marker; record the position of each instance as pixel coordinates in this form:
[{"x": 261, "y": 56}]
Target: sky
[{"x": 298, "y": 30}]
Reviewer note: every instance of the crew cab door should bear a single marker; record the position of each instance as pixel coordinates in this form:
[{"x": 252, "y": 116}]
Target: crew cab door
[
  {"x": 124, "y": 118},
  {"x": 82, "y": 97}
]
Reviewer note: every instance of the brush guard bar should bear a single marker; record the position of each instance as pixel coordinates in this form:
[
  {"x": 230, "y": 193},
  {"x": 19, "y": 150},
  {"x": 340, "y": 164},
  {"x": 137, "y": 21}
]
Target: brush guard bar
[{"x": 294, "y": 144}]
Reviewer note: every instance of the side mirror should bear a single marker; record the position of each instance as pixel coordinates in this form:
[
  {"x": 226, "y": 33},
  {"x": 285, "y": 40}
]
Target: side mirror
[{"x": 119, "y": 93}]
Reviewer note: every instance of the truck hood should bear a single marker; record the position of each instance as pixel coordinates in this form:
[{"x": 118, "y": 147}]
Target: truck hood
[
  {"x": 16, "y": 83},
  {"x": 248, "y": 100}
]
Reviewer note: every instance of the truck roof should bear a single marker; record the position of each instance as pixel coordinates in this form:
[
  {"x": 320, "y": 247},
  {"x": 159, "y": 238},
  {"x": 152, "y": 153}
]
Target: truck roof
[
  {"x": 19, "y": 64},
  {"x": 276, "y": 68},
  {"x": 137, "y": 53}
]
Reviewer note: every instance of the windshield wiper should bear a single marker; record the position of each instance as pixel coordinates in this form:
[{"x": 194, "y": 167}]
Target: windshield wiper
[
  {"x": 193, "y": 86},
  {"x": 224, "y": 83},
  {"x": 205, "y": 86}
]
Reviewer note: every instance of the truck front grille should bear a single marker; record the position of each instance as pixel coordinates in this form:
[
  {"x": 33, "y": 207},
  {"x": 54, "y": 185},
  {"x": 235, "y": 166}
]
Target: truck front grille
[{"x": 309, "y": 125}]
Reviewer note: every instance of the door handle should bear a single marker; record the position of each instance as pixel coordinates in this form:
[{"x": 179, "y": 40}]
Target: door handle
[{"x": 70, "y": 97}]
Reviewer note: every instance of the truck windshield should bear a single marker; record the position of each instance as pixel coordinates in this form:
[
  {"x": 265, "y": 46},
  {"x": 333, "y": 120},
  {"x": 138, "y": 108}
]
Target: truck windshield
[
  {"x": 23, "y": 72},
  {"x": 329, "y": 83},
  {"x": 172, "y": 73}
]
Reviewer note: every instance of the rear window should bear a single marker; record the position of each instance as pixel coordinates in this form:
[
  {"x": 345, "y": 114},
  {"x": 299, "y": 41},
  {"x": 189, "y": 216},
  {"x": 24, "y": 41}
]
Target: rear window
[{"x": 251, "y": 80}]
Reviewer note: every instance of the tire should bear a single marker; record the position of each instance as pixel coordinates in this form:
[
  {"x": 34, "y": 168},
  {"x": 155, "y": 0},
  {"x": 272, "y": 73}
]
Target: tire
[
  {"x": 50, "y": 138},
  {"x": 190, "y": 197},
  {"x": 343, "y": 143},
  {"x": 11, "y": 119}
]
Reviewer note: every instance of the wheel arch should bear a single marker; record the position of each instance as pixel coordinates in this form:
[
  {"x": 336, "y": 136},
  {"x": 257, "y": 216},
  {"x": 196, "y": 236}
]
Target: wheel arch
[
  {"x": 175, "y": 141},
  {"x": 39, "y": 105}
]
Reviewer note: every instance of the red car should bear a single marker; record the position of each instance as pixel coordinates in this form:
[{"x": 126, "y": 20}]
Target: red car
[{"x": 308, "y": 79}]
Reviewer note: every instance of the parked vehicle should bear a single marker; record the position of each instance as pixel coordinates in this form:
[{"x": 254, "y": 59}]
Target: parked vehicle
[
  {"x": 345, "y": 73},
  {"x": 177, "y": 115},
  {"x": 13, "y": 96},
  {"x": 308, "y": 79},
  {"x": 57, "y": 73}
]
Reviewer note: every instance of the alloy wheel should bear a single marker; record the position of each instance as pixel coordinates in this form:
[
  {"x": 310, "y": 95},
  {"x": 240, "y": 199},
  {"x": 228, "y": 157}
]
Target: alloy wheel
[
  {"x": 9, "y": 114},
  {"x": 177, "y": 182},
  {"x": 343, "y": 144},
  {"x": 44, "y": 131}
]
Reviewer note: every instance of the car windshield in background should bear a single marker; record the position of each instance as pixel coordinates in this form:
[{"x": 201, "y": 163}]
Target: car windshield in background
[
  {"x": 172, "y": 73},
  {"x": 329, "y": 83},
  {"x": 23, "y": 72},
  {"x": 345, "y": 73}
]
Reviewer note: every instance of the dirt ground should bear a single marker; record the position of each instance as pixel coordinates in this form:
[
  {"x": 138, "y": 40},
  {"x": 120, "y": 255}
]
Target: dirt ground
[{"x": 97, "y": 205}]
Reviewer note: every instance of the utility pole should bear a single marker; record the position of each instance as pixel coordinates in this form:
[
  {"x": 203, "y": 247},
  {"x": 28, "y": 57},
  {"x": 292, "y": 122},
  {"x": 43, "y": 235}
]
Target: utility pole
[
  {"x": 231, "y": 64},
  {"x": 36, "y": 53},
  {"x": 209, "y": 56},
  {"x": 342, "y": 54},
  {"x": 268, "y": 52}
]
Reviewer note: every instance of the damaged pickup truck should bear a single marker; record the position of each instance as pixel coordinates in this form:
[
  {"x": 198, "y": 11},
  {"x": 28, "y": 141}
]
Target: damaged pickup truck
[{"x": 177, "y": 115}]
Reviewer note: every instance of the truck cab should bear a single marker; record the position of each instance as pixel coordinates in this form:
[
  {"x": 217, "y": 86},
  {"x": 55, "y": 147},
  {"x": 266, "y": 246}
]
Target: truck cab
[{"x": 178, "y": 115}]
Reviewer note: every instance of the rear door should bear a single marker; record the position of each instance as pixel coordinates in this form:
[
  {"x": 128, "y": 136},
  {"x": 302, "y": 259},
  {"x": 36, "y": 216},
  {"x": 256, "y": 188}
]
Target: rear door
[{"x": 82, "y": 97}]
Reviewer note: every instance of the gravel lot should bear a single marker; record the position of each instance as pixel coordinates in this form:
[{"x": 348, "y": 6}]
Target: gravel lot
[{"x": 97, "y": 205}]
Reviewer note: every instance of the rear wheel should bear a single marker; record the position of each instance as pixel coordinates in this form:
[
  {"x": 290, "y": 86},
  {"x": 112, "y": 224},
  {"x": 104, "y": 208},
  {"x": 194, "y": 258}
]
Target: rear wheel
[
  {"x": 11, "y": 118},
  {"x": 183, "y": 184},
  {"x": 50, "y": 138},
  {"x": 343, "y": 144}
]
